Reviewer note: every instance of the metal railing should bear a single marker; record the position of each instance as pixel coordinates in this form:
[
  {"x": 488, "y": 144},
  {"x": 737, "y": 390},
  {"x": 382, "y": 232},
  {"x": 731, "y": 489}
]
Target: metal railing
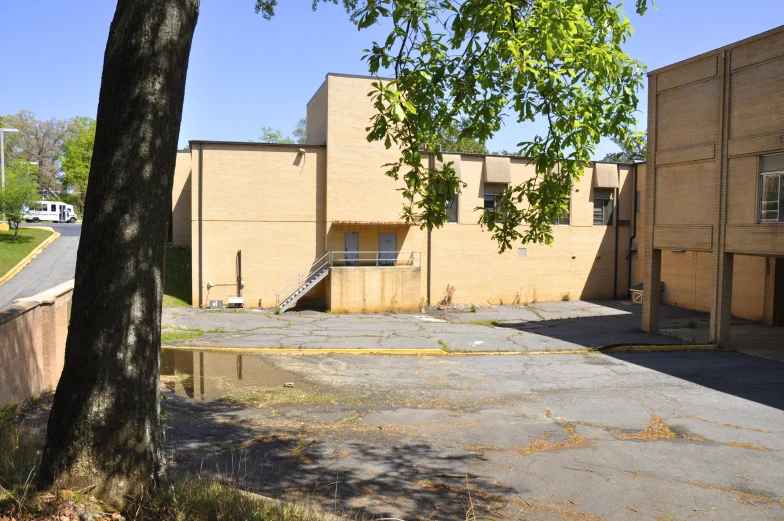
[
  {"x": 375, "y": 258},
  {"x": 302, "y": 277},
  {"x": 341, "y": 259}
]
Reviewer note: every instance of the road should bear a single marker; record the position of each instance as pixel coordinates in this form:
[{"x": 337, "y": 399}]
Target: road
[{"x": 55, "y": 265}]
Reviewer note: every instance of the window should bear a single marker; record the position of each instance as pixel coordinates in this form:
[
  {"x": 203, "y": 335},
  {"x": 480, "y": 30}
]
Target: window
[
  {"x": 492, "y": 195},
  {"x": 772, "y": 189},
  {"x": 637, "y": 206},
  {"x": 564, "y": 219},
  {"x": 451, "y": 209},
  {"x": 602, "y": 212},
  {"x": 54, "y": 208}
]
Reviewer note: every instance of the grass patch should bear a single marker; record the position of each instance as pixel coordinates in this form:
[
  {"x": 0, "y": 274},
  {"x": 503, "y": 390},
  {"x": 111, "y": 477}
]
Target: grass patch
[
  {"x": 180, "y": 334},
  {"x": 189, "y": 498},
  {"x": 488, "y": 323},
  {"x": 177, "y": 283},
  {"x": 13, "y": 251}
]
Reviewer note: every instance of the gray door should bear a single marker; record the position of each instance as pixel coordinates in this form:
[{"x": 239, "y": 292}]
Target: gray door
[
  {"x": 352, "y": 249},
  {"x": 387, "y": 249}
]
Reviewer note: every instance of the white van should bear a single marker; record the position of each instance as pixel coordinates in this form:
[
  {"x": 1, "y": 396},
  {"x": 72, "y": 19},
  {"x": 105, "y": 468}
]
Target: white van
[{"x": 55, "y": 211}]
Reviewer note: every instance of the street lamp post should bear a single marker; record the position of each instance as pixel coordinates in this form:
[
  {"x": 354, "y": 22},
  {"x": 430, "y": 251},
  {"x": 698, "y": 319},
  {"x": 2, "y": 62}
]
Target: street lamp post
[
  {"x": 2, "y": 153},
  {"x": 2, "y": 159}
]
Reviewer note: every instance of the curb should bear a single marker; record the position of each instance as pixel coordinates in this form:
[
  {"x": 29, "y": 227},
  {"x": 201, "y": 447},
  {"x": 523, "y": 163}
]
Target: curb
[
  {"x": 316, "y": 351},
  {"x": 30, "y": 256},
  {"x": 652, "y": 349}
]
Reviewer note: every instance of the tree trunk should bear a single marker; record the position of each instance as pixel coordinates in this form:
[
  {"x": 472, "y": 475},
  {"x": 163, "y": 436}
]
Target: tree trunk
[{"x": 104, "y": 428}]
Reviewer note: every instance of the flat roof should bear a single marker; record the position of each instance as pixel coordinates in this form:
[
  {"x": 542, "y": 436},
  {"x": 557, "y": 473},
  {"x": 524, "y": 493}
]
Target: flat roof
[
  {"x": 715, "y": 51},
  {"x": 252, "y": 143}
]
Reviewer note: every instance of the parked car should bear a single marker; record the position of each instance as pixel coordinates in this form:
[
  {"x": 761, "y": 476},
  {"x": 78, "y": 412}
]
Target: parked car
[{"x": 55, "y": 211}]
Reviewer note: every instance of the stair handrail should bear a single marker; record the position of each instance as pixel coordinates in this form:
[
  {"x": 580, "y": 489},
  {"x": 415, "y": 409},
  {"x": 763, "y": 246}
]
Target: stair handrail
[{"x": 299, "y": 279}]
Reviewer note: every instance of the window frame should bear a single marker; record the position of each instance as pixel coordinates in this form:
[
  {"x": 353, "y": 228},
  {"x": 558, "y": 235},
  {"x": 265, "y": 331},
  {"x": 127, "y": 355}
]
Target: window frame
[
  {"x": 559, "y": 221},
  {"x": 607, "y": 217},
  {"x": 779, "y": 214},
  {"x": 501, "y": 187}
]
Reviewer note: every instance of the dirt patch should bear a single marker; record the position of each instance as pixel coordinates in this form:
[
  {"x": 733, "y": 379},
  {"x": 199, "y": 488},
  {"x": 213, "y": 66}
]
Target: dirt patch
[
  {"x": 545, "y": 445},
  {"x": 742, "y": 445},
  {"x": 656, "y": 430}
]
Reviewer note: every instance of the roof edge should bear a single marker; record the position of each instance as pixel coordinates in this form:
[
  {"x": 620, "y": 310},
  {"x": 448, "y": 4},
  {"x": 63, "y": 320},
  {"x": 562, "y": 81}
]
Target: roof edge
[{"x": 717, "y": 50}]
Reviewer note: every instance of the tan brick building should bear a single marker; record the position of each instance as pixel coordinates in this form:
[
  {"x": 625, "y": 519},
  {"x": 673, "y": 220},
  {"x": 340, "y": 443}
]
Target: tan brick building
[
  {"x": 285, "y": 206},
  {"x": 714, "y": 205},
  {"x": 328, "y": 209}
]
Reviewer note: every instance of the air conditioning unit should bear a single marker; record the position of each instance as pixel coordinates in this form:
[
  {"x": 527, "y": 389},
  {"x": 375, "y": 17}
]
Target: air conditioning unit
[{"x": 236, "y": 303}]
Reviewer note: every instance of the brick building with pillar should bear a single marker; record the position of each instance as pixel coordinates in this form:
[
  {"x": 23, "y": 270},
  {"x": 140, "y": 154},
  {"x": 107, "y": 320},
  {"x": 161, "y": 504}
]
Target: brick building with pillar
[{"x": 715, "y": 175}]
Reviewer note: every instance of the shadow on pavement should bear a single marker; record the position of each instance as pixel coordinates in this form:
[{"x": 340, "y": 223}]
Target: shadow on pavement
[
  {"x": 737, "y": 374},
  {"x": 611, "y": 330},
  {"x": 371, "y": 474}
]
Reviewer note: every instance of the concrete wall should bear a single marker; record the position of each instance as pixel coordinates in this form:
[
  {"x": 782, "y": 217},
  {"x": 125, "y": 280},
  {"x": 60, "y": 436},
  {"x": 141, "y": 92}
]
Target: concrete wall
[
  {"x": 371, "y": 289},
  {"x": 32, "y": 343},
  {"x": 181, "y": 201}
]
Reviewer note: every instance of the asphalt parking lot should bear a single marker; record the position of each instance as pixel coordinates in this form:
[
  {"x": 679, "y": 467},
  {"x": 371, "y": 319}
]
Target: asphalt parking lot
[{"x": 557, "y": 435}]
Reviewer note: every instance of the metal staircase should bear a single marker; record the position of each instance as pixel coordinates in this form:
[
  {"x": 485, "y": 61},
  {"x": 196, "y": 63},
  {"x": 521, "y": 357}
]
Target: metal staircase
[{"x": 305, "y": 280}]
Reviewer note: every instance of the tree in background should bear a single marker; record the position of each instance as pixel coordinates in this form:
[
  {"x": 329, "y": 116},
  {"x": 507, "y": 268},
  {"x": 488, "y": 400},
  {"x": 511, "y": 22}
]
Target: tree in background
[
  {"x": 272, "y": 135},
  {"x": 301, "y": 131},
  {"x": 19, "y": 194},
  {"x": 637, "y": 150},
  {"x": 76, "y": 159},
  {"x": 41, "y": 142},
  {"x": 457, "y": 138}
]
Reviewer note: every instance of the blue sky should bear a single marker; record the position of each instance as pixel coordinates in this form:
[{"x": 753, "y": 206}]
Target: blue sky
[{"x": 246, "y": 72}]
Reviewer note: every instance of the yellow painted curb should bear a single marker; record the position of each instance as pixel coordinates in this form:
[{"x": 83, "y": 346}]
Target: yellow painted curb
[
  {"x": 353, "y": 351},
  {"x": 30, "y": 256},
  {"x": 650, "y": 349}
]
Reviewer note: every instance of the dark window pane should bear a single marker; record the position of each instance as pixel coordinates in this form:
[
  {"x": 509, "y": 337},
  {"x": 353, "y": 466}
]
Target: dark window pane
[
  {"x": 489, "y": 201},
  {"x": 598, "y": 212},
  {"x": 608, "y": 212},
  {"x": 781, "y": 198},
  {"x": 451, "y": 210},
  {"x": 769, "y": 205}
]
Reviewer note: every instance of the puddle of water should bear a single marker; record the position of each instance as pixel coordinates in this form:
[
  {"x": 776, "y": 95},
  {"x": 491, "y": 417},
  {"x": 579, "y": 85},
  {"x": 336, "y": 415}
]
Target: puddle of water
[{"x": 211, "y": 376}]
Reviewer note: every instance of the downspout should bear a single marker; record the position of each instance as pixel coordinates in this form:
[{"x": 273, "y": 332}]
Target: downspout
[
  {"x": 431, "y": 165},
  {"x": 634, "y": 230},
  {"x": 201, "y": 186},
  {"x": 617, "y": 227}
]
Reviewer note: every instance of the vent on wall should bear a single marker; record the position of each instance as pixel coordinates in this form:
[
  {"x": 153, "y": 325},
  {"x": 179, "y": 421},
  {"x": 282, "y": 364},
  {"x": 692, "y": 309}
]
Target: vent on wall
[{"x": 522, "y": 252}]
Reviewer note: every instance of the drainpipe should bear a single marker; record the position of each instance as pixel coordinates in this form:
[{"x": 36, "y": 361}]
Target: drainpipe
[
  {"x": 431, "y": 165},
  {"x": 616, "y": 220},
  {"x": 634, "y": 230},
  {"x": 201, "y": 185}
]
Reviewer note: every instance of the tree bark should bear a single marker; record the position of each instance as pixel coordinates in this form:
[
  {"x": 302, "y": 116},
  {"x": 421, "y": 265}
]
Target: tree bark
[{"x": 104, "y": 429}]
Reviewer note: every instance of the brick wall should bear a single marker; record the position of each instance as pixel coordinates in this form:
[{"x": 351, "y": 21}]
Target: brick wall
[{"x": 32, "y": 343}]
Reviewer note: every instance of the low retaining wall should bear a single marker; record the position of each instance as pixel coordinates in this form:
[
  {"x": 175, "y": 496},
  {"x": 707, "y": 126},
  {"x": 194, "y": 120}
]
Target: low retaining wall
[
  {"x": 374, "y": 289},
  {"x": 32, "y": 343}
]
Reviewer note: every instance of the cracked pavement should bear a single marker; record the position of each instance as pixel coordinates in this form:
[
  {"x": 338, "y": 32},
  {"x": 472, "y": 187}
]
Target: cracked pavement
[
  {"x": 695, "y": 435},
  {"x": 547, "y": 326}
]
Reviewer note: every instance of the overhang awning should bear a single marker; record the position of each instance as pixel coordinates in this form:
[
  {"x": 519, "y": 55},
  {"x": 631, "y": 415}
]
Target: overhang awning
[
  {"x": 372, "y": 223},
  {"x": 605, "y": 175},
  {"x": 498, "y": 170},
  {"x": 456, "y": 162}
]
